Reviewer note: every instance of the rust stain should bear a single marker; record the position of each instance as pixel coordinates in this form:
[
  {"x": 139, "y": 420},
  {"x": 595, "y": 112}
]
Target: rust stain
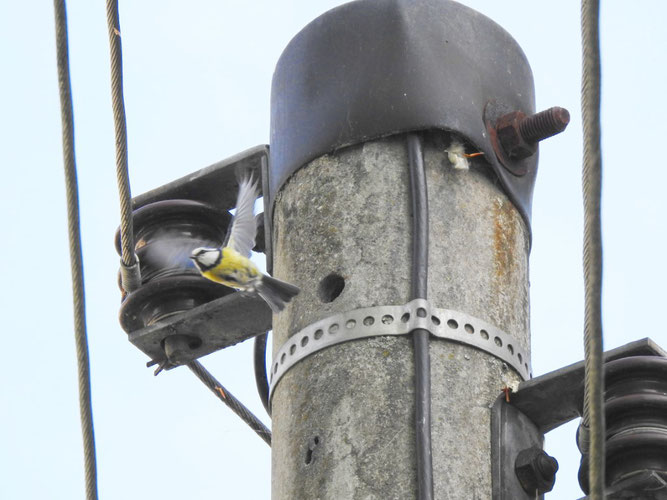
[{"x": 504, "y": 237}]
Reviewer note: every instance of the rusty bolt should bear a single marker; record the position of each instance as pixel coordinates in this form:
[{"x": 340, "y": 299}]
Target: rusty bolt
[
  {"x": 535, "y": 470},
  {"x": 519, "y": 134}
]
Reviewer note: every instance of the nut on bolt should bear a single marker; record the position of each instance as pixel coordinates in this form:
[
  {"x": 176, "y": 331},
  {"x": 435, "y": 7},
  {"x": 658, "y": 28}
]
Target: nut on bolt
[
  {"x": 518, "y": 134},
  {"x": 535, "y": 470}
]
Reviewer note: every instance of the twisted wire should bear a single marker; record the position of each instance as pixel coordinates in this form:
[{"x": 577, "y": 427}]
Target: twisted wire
[
  {"x": 130, "y": 274},
  {"x": 226, "y": 397},
  {"x": 76, "y": 261},
  {"x": 593, "y": 417}
]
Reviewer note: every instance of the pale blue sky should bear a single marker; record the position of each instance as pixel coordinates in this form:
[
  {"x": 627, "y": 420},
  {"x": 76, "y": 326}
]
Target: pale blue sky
[{"x": 197, "y": 80}]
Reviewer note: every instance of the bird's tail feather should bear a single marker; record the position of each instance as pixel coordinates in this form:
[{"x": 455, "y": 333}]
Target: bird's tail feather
[{"x": 275, "y": 292}]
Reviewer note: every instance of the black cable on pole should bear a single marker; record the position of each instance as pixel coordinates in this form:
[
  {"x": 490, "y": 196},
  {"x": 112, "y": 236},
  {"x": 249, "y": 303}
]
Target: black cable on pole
[
  {"x": 226, "y": 397},
  {"x": 129, "y": 267},
  {"x": 593, "y": 418},
  {"x": 76, "y": 261},
  {"x": 420, "y": 336},
  {"x": 259, "y": 362}
]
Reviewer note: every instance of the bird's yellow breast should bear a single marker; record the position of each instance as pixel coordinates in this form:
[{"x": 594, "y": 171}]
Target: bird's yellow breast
[{"x": 233, "y": 270}]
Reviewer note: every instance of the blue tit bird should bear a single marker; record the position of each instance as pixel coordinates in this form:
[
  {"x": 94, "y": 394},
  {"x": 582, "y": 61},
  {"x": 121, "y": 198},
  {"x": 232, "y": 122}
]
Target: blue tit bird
[{"x": 231, "y": 265}]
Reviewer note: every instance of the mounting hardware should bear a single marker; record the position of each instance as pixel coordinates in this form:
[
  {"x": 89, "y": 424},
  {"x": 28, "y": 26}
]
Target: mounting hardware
[
  {"x": 519, "y": 134},
  {"x": 399, "y": 320},
  {"x": 536, "y": 470},
  {"x": 514, "y": 135},
  {"x": 177, "y": 316},
  {"x": 550, "y": 400}
]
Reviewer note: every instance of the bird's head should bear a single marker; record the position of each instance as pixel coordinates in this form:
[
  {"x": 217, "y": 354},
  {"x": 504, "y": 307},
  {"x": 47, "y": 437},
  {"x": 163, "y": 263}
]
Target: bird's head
[{"x": 206, "y": 258}]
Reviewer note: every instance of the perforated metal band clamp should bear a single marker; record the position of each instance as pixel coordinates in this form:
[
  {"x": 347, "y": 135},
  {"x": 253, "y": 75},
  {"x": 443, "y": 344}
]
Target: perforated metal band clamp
[{"x": 399, "y": 320}]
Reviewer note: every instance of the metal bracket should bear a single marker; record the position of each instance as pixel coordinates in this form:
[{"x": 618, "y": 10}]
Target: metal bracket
[
  {"x": 399, "y": 320},
  {"x": 555, "y": 398},
  {"x": 225, "y": 321},
  {"x": 511, "y": 432},
  {"x": 540, "y": 405}
]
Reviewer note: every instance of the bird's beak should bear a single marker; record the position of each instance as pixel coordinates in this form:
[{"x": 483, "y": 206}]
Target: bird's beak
[{"x": 192, "y": 257}]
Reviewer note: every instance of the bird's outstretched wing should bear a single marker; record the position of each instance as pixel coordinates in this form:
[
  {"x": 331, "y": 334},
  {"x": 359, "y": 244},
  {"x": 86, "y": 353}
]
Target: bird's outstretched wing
[
  {"x": 172, "y": 249},
  {"x": 244, "y": 226}
]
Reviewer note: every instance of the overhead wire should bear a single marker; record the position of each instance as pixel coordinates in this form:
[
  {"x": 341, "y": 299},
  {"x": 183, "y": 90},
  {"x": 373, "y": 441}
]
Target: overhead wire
[
  {"x": 593, "y": 414},
  {"x": 76, "y": 260},
  {"x": 130, "y": 272}
]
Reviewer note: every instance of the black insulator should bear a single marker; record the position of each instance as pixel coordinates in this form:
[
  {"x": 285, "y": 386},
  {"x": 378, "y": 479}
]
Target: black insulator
[
  {"x": 166, "y": 232},
  {"x": 636, "y": 425},
  {"x": 166, "y": 297}
]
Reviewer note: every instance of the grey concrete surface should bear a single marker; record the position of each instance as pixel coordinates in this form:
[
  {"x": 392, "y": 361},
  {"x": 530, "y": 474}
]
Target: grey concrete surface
[{"x": 343, "y": 419}]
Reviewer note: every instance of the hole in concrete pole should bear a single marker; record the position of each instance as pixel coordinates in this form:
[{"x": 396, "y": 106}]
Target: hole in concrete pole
[
  {"x": 312, "y": 444},
  {"x": 331, "y": 287}
]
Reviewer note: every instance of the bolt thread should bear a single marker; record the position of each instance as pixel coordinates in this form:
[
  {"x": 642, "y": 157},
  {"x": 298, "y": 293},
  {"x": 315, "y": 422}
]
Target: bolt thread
[{"x": 544, "y": 124}]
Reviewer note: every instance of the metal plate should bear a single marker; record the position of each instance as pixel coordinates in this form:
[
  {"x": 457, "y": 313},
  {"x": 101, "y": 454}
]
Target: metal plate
[
  {"x": 399, "y": 320},
  {"x": 215, "y": 184},
  {"x": 553, "y": 399},
  {"x": 218, "y": 324},
  {"x": 511, "y": 432}
]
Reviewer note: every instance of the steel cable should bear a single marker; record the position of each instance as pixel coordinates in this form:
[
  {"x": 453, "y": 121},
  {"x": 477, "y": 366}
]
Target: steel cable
[
  {"x": 76, "y": 261},
  {"x": 226, "y": 397},
  {"x": 420, "y": 336},
  {"x": 593, "y": 417},
  {"x": 130, "y": 274}
]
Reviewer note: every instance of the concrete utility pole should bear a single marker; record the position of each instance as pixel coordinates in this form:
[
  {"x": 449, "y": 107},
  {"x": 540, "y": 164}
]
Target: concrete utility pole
[{"x": 346, "y": 91}]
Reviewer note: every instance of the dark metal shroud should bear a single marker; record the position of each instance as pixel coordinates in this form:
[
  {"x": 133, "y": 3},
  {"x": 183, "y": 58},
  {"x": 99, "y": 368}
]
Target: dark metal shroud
[{"x": 369, "y": 69}]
